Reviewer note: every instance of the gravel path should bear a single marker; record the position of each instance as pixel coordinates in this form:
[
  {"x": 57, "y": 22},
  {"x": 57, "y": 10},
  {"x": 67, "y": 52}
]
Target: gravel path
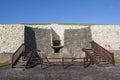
[{"x": 74, "y": 72}]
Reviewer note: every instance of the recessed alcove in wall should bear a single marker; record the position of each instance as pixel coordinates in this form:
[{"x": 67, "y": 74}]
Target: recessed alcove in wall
[
  {"x": 56, "y": 42},
  {"x": 57, "y": 46}
]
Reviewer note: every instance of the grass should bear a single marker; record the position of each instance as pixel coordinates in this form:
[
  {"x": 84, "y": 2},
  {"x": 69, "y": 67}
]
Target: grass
[
  {"x": 4, "y": 63},
  {"x": 80, "y": 24},
  {"x": 117, "y": 60}
]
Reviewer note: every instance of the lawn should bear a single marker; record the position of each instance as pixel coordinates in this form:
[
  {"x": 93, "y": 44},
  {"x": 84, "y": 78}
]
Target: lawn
[
  {"x": 4, "y": 63},
  {"x": 117, "y": 60}
]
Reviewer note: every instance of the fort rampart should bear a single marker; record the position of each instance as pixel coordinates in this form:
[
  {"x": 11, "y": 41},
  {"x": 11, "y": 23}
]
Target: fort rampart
[{"x": 72, "y": 38}]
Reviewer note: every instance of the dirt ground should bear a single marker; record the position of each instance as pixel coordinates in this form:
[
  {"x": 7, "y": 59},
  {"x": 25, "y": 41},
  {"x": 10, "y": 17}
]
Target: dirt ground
[{"x": 56, "y": 72}]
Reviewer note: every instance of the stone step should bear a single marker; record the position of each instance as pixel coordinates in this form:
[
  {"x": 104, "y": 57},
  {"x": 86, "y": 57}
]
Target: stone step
[
  {"x": 18, "y": 66},
  {"x": 21, "y": 63},
  {"x": 99, "y": 57},
  {"x": 91, "y": 51},
  {"x": 94, "y": 54},
  {"x": 104, "y": 63}
]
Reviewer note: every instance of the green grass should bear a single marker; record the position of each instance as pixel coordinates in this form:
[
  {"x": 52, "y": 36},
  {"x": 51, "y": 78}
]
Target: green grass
[
  {"x": 4, "y": 63},
  {"x": 80, "y": 24},
  {"x": 117, "y": 60}
]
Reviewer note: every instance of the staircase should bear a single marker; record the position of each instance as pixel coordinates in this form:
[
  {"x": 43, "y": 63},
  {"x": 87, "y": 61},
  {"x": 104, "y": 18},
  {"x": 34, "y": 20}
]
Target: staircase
[
  {"x": 98, "y": 55},
  {"x": 16, "y": 58}
]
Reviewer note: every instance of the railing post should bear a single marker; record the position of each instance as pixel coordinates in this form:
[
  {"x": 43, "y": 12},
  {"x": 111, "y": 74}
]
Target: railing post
[
  {"x": 84, "y": 62},
  {"x": 12, "y": 62},
  {"x": 86, "y": 57},
  {"x": 63, "y": 62},
  {"x": 17, "y": 55},
  {"x": 113, "y": 60}
]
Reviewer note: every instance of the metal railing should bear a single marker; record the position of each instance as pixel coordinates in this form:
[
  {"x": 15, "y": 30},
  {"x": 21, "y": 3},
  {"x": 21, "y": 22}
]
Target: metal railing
[
  {"x": 103, "y": 52},
  {"x": 17, "y": 54},
  {"x": 89, "y": 58}
]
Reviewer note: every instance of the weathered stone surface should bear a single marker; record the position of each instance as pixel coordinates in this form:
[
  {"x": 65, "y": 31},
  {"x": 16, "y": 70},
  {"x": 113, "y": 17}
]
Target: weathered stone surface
[
  {"x": 73, "y": 38},
  {"x": 11, "y": 37},
  {"x": 43, "y": 39},
  {"x": 108, "y": 36},
  {"x": 4, "y": 57},
  {"x": 55, "y": 36},
  {"x": 76, "y": 39}
]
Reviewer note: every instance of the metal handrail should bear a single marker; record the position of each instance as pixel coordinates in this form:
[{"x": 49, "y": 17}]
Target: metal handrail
[
  {"x": 91, "y": 57},
  {"x": 17, "y": 54},
  {"x": 104, "y": 53}
]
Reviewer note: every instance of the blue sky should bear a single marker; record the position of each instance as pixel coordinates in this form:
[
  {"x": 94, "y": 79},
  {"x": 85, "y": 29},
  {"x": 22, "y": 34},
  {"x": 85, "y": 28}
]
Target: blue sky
[{"x": 60, "y": 11}]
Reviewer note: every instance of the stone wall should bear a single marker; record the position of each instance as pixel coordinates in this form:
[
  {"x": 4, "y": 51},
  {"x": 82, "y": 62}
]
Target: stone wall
[
  {"x": 43, "y": 39},
  {"x": 5, "y": 57},
  {"x": 108, "y": 36},
  {"x": 73, "y": 38},
  {"x": 11, "y": 37},
  {"x": 60, "y": 29},
  {"x": 56, "y": 32},
  {"x": 76, "y": 39}
]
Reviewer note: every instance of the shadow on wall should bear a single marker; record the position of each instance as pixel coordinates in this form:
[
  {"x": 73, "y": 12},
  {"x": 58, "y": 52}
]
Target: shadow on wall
[
  {"x": 76, "y": 39},
  {"x": 43, "y": 39},
  {"x": 30, "y": 41}
]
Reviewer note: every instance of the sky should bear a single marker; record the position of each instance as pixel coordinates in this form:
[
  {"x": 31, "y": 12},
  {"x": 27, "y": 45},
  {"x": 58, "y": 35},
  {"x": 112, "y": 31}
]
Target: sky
[{"x": 60, "y": 11}]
